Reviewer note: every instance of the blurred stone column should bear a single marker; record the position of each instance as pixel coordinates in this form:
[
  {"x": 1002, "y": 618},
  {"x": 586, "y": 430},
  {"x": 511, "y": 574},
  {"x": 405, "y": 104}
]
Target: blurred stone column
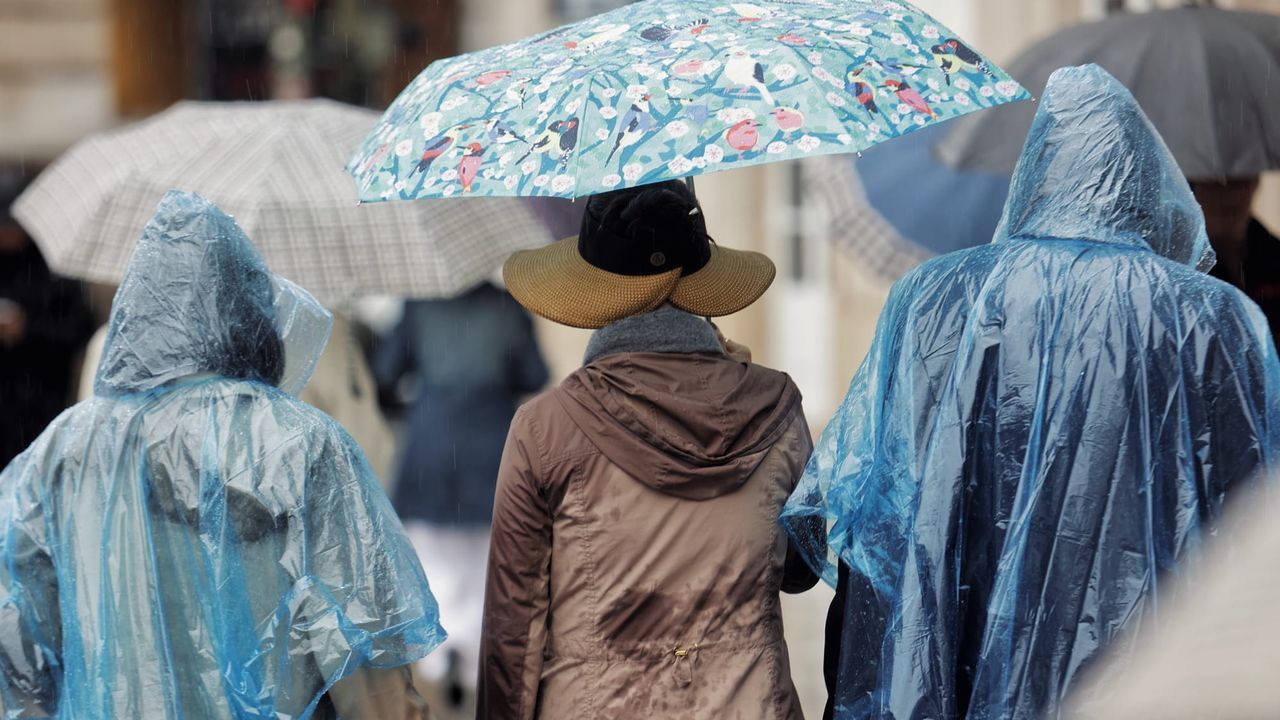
[
  {"x": 486, "y": 23},
  {"x": 737, "y": 205},
  {"x": 1006, "y": 27},
  {"x": 150, "y": 56},
  {"x": 425, "y": 31},
  {"x": 960, "y": 16}
]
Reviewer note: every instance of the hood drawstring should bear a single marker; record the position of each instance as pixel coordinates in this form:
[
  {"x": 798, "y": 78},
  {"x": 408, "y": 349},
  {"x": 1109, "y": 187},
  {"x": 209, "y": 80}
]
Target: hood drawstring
[{"x": 682, "y": 667}]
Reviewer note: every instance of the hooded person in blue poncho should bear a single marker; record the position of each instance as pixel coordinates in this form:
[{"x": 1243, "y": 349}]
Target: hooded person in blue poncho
[
  {"x": 193, "y": 542},
  {"x": 1044, "y": 428}
]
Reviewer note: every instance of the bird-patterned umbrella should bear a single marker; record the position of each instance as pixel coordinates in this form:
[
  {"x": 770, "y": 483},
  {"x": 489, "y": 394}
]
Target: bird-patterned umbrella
[{"x": 665, "y": 89}]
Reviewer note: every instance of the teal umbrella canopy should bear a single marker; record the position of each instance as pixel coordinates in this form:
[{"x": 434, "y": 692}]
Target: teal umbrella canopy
[{"x": 665, "y": 89}]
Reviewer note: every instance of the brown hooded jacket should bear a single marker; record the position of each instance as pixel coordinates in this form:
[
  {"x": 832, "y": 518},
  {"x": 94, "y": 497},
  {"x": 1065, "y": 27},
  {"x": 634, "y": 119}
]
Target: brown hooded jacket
[{"x": 636, "y": 557}]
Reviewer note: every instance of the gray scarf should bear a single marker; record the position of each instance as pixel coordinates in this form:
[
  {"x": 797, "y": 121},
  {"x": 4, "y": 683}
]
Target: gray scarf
[{"x": 665, "y": 330}]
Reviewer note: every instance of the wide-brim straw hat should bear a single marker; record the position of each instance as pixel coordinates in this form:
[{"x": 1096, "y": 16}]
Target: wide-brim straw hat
[
  {"x": 639, "y": 248},
  {"x": 559, "y": 284}
]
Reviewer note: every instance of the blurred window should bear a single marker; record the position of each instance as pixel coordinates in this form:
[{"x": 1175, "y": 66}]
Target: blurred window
[
  {"x": 1099, "y": 9},
  {"x": 802, "y": 305}
]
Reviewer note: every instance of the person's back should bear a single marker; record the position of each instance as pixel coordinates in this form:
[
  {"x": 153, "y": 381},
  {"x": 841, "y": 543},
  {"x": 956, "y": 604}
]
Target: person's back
[
  {"x": 194, "y": 542},
  {"x": 1080, "y": 471},
  {"x": 636, "y": 557},
  {"x": 1042, "y": 430},
  {"x": 473, "y": 358},
  {"x": 468, "y": 342}
]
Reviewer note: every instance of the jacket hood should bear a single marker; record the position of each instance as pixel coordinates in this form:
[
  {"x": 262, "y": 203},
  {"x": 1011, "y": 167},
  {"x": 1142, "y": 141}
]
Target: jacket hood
[
  {"x": 1094, "y": 168},
  {"x": 686, "y": 420},
  {"x": 197, "y": 298}
]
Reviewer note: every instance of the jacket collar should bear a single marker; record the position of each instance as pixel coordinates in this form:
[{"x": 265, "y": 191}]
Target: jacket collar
[{"x": 665, "y": 330}]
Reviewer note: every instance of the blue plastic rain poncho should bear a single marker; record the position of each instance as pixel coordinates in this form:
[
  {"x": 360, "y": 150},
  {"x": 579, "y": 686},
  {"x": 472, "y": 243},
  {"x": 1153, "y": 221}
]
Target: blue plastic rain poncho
[
  {"x": 194, "y": 542},
  {"x": 1043, "y": 428}
]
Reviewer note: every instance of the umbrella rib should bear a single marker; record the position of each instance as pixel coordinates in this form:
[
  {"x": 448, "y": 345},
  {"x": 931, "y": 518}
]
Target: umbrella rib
[{"x": 583, "y": 136}]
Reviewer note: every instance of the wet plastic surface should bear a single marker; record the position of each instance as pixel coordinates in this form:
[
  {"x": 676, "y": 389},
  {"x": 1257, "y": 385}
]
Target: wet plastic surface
[
  {"x": 1044, "y": 427},
  {"x": 194, "y": 542}
]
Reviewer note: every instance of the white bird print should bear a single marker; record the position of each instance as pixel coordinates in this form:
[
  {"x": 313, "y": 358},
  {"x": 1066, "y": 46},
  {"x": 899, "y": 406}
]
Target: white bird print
[
  {"x": 743, "y": 70},
  {"x": 750, "y": 13},
  {"x": 604, "y": 36},
  {"x": 517, "y": 93},
  {"x": 634, "y": 126}
]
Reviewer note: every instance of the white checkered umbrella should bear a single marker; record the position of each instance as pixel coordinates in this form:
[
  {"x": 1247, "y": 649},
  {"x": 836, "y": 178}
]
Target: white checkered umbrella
[{"x": 278, "y": 168}]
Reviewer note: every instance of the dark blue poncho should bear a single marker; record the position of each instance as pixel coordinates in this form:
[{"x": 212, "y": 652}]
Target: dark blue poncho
[{"x": 1042, "y": 430}]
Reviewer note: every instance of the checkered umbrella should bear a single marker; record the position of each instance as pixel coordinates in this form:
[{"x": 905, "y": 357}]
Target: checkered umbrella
[{"x": 278, "y": 168}]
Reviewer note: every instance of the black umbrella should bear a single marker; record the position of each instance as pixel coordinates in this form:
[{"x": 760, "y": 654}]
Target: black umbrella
[{"x": 1209, "y": 79}]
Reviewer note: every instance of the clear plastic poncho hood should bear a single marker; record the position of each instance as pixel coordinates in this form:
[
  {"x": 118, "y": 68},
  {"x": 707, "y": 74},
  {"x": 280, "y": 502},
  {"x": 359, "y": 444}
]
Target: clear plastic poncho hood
[
  {"x": 1095, "y": 168},
  {"x": 1042, "y": 430},
  {"x": 194, "y": 542},
  {"x": 197, "y": 298}
]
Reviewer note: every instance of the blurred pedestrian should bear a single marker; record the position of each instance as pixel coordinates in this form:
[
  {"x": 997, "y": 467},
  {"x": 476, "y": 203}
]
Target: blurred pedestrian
[
  {"x": 1043, "y": 429},
  {"x": 1248, "y": 254},
  {"x": 44, "y": 321},
  {"x": 343, "y": 387},
  {"x": 471, "y": 360},
  {"x": 194, "y": 542},
  {"x": 636, "y": 558}
]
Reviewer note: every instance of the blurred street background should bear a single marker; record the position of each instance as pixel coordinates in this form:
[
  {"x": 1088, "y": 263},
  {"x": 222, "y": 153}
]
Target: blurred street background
[{"x": 69, "y": 68}]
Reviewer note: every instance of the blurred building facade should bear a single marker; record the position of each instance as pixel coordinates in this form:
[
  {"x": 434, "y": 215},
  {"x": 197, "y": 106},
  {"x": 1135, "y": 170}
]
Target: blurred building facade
[
  {"x": 55, "y": 75},
  {"x": 72, "y": 67}
]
